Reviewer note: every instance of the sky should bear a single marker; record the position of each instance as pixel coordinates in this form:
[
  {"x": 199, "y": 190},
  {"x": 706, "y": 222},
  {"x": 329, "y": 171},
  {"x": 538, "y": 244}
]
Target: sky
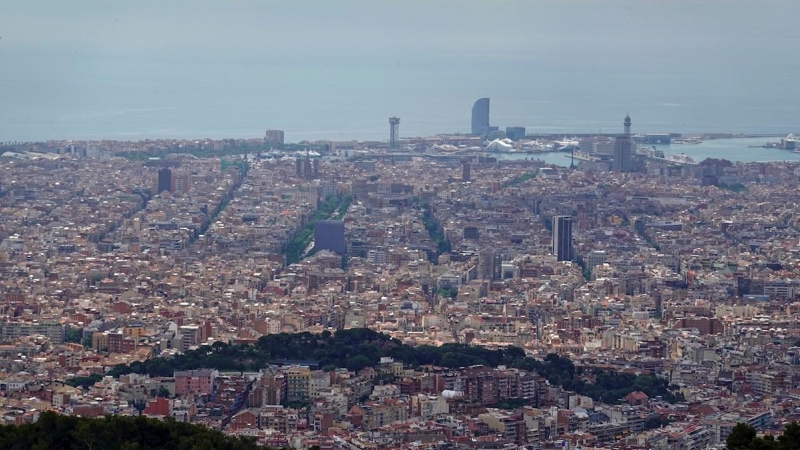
[
  {"x": 348, "y": 31},
  {"x": 151, "y": 59}
]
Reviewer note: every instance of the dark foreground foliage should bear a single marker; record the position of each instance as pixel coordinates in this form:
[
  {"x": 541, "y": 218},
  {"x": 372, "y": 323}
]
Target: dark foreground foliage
[
  {"x": 743, "y": 437},
  {"x": 57, "y": 432}
]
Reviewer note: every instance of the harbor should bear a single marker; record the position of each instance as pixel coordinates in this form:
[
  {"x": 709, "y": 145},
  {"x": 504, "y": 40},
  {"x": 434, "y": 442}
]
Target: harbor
[
  {"x": 790, "y": 143},
  {"x": 732, "y": 149}
]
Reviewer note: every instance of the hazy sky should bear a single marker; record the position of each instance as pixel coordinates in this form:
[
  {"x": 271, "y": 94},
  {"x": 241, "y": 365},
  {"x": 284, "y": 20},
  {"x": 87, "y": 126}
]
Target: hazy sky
[
  {"x": 403, "y": 29},
  {"x": 90, "y": 47}
]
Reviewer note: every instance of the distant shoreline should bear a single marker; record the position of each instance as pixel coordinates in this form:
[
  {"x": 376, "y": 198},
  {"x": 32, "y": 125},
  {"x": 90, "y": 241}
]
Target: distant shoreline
[{"x": 703, "y": 136}]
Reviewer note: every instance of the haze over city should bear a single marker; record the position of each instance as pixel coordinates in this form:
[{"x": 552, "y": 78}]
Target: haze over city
[{"x": 334, "y": 70}]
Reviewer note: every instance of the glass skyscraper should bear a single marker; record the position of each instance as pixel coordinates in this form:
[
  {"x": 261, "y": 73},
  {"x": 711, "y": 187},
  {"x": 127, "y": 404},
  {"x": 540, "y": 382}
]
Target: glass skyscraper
[
  {"x": 164, "y": 180},
  {"x": 480, "y": 117},
  {"x": 329, "y": 235},
  {"x": 562, "y": 238}
]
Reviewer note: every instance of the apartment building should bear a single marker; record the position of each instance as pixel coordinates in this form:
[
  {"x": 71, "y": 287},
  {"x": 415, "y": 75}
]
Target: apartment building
[
  {"x": 10, "y": 331},
  {"x": 195, "y": 382}
]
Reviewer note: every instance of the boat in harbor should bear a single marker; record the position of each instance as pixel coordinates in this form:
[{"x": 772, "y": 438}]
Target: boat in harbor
[
  {"x": 650, "y": 152},
  {"x": 536, "y": 146},
  {"x": 687, "y": 141},
  {"x": 680, "y": 158},
  {"x": 566, "y": 145},
  {"x": 790, "y": 142}
]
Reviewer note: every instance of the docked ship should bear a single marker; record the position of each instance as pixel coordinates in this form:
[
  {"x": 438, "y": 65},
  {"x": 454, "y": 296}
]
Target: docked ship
[
  {"x": 791, "y": 142},
  {"x": 536, "y": 146},
  {"x": 650, "y": 152},
  {"x": 566, "y": 145},
  {"x": 687, "y": 141},
  {"x": 658, "y": 155},
  {"x": 680, "y": 158}
]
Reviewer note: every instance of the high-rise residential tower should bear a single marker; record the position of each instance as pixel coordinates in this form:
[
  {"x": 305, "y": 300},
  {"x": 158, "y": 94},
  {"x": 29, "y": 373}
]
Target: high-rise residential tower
[
  {"x": 179, "y": 183},
  {"x": 274, "y": 137}
]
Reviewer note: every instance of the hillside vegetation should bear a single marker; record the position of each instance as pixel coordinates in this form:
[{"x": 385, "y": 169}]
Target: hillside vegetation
[
  {"x": 57, "y": 432},
  {"x": 358, "y": 348}
]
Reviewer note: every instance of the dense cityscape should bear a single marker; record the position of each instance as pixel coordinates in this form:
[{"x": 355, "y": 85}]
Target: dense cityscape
[{"x": 415, "y": 293}]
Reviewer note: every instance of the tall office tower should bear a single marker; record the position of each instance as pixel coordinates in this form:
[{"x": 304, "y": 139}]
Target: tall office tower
[
  {"x": 623, "y": 149},
  {"x": 164, "y": 180},
  {"x": 329, "y": 235},
  {"x": 471, "y": 232},
  {"x": 639, "y": 225},
  {"x": 394, "y": 132},
  {"x": 515, "y": 133},
  {"x": 465, "y": 171},
  {"x": 274, "y": 137},
  {"x": 562, "y": 238},
  {"x": 490, "y": 261},
  {"x": 480, "y": 117}
]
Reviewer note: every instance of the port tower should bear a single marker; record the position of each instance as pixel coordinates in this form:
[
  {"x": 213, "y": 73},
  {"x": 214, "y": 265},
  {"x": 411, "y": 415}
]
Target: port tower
[{"x": 394, "y": 132}]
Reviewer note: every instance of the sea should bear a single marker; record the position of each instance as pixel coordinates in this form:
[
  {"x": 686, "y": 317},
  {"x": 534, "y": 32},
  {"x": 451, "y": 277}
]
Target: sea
[
  {"x": 95, "y": 97},
  {"x": 339, "y": 70}
]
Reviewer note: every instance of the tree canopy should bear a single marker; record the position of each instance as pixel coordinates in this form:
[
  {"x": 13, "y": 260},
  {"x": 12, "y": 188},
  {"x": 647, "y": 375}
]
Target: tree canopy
[
  {"x": 357, "y": 348},
  {"x": 743, "y": 437},
  {"x": 53, "y": 431},
  {"x": 519, "y": 179}
]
